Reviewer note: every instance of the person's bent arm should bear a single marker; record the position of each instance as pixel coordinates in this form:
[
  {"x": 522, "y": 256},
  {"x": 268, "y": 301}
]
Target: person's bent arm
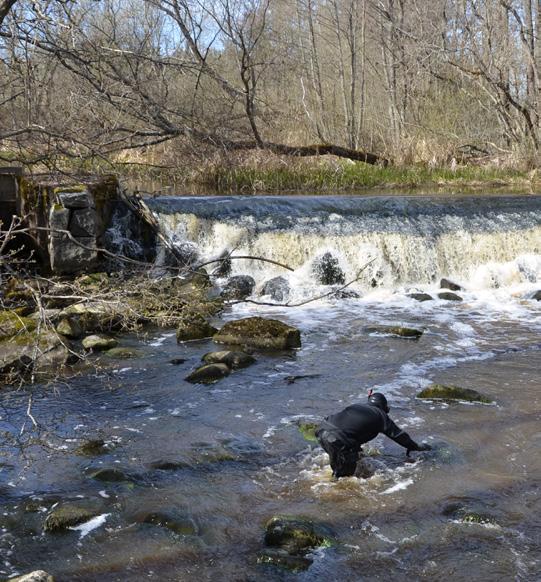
[{"x": 401, "y": 437}]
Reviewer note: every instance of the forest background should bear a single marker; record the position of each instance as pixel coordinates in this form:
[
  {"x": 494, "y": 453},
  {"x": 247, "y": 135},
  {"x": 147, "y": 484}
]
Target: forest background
[{"x": 265, "y": 95}]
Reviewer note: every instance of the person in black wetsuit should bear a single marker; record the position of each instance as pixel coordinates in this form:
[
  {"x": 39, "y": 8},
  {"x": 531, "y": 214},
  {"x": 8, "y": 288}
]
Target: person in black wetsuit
[{"x": 342, "y": 434}]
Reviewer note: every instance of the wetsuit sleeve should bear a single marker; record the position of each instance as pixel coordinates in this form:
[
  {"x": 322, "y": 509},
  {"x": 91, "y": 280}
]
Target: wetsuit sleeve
[{"x": 398, "y": 435}]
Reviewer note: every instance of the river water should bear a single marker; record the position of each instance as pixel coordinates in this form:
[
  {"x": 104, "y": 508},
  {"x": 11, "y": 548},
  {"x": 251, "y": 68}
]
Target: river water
[{"x": 241, "y": 456}]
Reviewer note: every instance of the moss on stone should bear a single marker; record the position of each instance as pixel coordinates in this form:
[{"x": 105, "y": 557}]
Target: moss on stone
[
  {"x": 259, "y": 332},
  {"x": 308, "y": 430},
  {"x": 295, "y": 534},
  {"x": 12, "y": 324},
  {"x": 441, "y": 392}
]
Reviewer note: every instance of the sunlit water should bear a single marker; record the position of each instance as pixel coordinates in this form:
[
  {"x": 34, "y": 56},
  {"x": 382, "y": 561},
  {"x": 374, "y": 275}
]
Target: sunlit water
[{"x": 246, "y": 460}]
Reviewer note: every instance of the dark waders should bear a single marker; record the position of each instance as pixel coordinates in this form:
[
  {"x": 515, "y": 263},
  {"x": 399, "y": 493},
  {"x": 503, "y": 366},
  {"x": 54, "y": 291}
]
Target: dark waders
[{"x": 343, "y": 455}]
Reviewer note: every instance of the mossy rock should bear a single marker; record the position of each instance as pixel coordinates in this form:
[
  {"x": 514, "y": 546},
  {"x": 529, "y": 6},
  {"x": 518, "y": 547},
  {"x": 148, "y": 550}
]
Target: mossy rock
[
  {"x": 66, "y": 515},
  {"x": 194, "y": 327},
  {"x": 308, "y": 430},
  {"x": 208, "y": 374},
  {"x": 11, "y": 323},
  {"x": 96, "y": 316},
  {"x": 99, "y": 343},
  {"x": 123, "y": 353},
  {"x": 178, "y": 524},
  {"x": 233, "y": 360},
  {"x": 283, "y": 560},
  {"x": 259, "y": 332},
  {"x": 450, "y": 393},
  {"x": 396, "y": 330},
  {"x": 19, "y": 356},
  {"x": 296, "y": 535},
  {"x": 69, "y": 327},
  {"x": 92, "y": 448}
]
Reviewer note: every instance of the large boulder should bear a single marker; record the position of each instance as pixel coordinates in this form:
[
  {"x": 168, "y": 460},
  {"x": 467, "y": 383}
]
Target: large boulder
[
  {"x": 441, "y": 392},
  {"x": 238, "y": 287},
  {"x": 233, "y": 360},
  {"x": 277, "y": 288},
  {"x": 258, "y": 332},
  {"x": 194, "y": 327},
  {"x": 66, "y": 515},
  {"x": 326, "y": 270},
  {"x": 208, "y": 374}
]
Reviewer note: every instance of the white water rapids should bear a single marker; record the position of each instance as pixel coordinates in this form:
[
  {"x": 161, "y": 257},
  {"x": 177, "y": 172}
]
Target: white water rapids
[{"x": 481, "y": 242}]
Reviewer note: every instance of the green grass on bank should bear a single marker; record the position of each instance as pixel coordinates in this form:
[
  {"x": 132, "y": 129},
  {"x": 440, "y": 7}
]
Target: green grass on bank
[{"x": 359, "y": 176}]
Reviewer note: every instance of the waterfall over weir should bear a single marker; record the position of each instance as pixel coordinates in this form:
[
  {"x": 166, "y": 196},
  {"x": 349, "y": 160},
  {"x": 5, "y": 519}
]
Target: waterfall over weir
[{"x": 411, "y": 240}]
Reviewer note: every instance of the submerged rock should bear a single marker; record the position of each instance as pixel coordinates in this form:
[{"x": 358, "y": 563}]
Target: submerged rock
[
  {"x": 194, "y": 327},
  {"x": 233, "y": 360},
  {"x": 421, "y": 296},
  {"x": 258, "y": 332},
  {"x": 99, "y": 342},
  {"x": 441, "y": 392},
  {"x": 92, "y": 448},
  {"x": 277, "y": 288},
  {"x": 448, "y": 284},
  {"x": 397, "y": 330},
  {"x": 448, "y": 296},
  {"x": 296, "y": 535},
  {"x": 327, "y": 271},
  {"x": 123, "y": 353},
  {"x": 36, "y": 576},
  {"x": 109, "y": 475},
  {"x": 308, "y": 430},
  {"x": 66, "y": 515},
  {"x": 282, "y": 559},
  {"x": 208, "y": 374},
  {"x": 238, "y": 287},
  {"x": 178, "y": 524},
  {"x": 461, "y": 512},
  {"x": 164, "y": 465}
]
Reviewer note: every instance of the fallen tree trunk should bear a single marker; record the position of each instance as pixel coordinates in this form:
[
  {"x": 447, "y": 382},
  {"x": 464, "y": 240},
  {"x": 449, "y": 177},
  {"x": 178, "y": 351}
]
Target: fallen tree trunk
[{"x": 304, "y": 151}]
